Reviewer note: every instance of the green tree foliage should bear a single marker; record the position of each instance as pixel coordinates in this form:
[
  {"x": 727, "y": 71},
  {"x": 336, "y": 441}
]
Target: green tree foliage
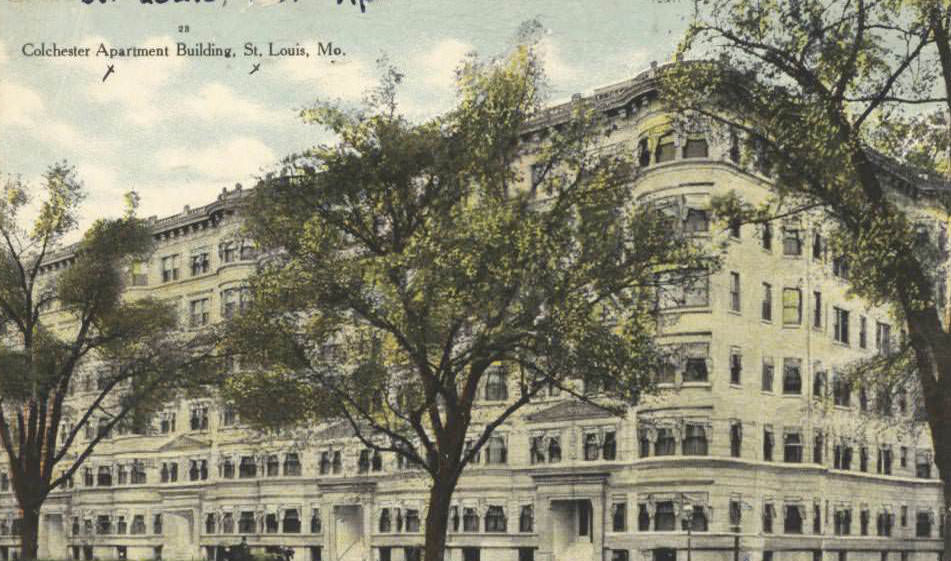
[
  {"x": 812, "y": 87},
  {"x": 60, "y": 321},
  {"x": 409, "y": 262}
]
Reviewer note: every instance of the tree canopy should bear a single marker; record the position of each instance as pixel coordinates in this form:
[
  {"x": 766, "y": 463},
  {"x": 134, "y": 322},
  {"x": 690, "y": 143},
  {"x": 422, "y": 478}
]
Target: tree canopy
[{"x": 410, "y": 265}]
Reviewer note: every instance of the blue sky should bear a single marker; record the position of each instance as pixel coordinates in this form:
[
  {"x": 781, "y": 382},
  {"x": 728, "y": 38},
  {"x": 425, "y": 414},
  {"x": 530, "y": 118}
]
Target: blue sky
[{"x": 177, "y": 130}]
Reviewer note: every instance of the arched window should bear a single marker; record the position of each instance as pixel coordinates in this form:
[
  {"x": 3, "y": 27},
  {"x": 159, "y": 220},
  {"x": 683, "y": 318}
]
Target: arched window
[
  {"x": 291, "y": 522},
  {"x": 792, "y": 522},
  {"x": 495, "y": 519},
  {"x": 495, "y": 385}
]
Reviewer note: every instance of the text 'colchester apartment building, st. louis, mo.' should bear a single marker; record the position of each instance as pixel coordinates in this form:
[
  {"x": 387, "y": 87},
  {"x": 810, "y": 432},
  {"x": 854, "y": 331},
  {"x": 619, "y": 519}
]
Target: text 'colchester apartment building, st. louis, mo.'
[{"x": 755, "y": 447}]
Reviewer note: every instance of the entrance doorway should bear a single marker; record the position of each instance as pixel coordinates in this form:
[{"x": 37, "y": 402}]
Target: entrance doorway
[{"x": 572, "y": 530}]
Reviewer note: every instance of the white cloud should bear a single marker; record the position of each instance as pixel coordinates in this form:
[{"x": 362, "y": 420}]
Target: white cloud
[
  {"x": 3, "y": 53},
  {"x": 438, "y": 64},
  {"x": 218, "y": 102},
  {"x": 347, "y": 78},
  {"x": 559, "y": 70},
  {"x": 22, "y": 107},
  {"x": 234, "y": 160}
]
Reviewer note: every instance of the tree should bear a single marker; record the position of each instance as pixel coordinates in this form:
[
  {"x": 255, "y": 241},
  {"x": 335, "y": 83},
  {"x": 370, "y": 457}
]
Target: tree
[
  {"x": 811, "y": 85},
  {"x": 43, "y": 287},
  {"x": 414, "y": 270}
]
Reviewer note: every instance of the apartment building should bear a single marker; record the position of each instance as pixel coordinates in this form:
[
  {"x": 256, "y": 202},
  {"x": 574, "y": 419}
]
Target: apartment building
[{"x": 755, "y": 447}]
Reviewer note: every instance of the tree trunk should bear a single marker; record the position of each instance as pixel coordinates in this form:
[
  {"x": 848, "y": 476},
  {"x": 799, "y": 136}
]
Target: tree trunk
[
  {"x": 30, "y": 530},
  {"x": 437, "y": 518}
]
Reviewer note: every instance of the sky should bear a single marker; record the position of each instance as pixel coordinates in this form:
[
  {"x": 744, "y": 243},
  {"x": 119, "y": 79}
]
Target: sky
[{"x": 179, "y": 129}]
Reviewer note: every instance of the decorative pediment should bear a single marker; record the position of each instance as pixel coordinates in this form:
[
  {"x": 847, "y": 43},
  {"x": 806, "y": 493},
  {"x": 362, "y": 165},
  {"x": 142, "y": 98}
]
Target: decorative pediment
[
  {"x": 336, "y": 431},
  {"x": 569, "y": 411},
  {"x": 185, "y": 442}
]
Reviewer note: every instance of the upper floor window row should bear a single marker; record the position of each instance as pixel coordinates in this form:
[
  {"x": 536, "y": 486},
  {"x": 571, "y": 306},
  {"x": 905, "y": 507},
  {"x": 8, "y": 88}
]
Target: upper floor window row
[
  {"x": 198, "y": 261},
  {"x": 669, "y": 147}
]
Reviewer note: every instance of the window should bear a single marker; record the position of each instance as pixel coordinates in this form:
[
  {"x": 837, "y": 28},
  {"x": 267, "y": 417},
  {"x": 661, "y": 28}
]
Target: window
[
  {"x": 884, "y": 463},
  {"x": 495, "y": 385},
  {"x": 246, "y": 523},
  {"x": 363, "y": 463},
  {"x": 842, "y": 520},
  {"x": 412, "y": 520},
  {"x": 863, "y": 521},
  {"x": 643, "y": 518},
  {"x": 592, "y": 447},
  {"x": 228, "y": 251},
  {"x": 767, "y": 374},
  {"x": 816, "y": 519},
  {"x": 819, "y": 384},
  {"x": 666, "y": 444},
  {"x": 643, "y": 153},
  {"x": 228, "y": 415},
  {"x": 863, "y": 399},
  {"x": 818, "y": 448},
  {"x": 923, "y": 466},
  {"x": 792, "y": 241},
  {"x": 167, "y": 423},
  {"x": 734, "y": 291},
  {"x": 904, "y": 516},
  {"x": 736, "y": 366},
  {"x": 767, "y": 236},
  {"x": 139, "y": 273},
  {"x": 695, "y": 440},
  {"x": 157, "y": 524},
  {"x": 643, "y": 443},
  {"x": 766, "y": 311},
  {"x": 767, "y": 444},
  {"x": 199, "y": 417},
  {"x": 138, "y": 476},
  {"x": 863, "y": 458},
  {"x": 495, "y": 450},
  {"x": 211, "y": 524},
  {"x": 792, "y": 521},
  {"x": 170, "y": 268},
  {"x": 817, "y": 246},
  {"x": 198, "y": 312},
  {"x": 315, "y": 525},
  {"x": 883, "y": 337},
  {"x": 200, "y": 263},
  {"x": 817, "y": 309},
  {"x": 470, "y": 520},
  {"x": 272, "y": 466},
  {"x": 841, "y": 390},
  {"x": 769, "y": 513},
  {"x": 841, "y": 326},
  {"x": 903, "y": 457},
  {"x": 695, "y": 148},
  {"x": 526, "y": 519},
  {"x": 103, "y": 525},
  {"x": 863, "y": 332},
  {"x": 840, "y": 267},
  {"x": 664, "y": 517},
  {"x": 291, "y": 522},
  {"x": 471, "y": 554},
  {"x": 197, "y": 470},
  {"x": 735, "y": 228},
  {"x": 792, "y": 376},
  {"x": 292, "y": 464},
  {"x": 792, "y": 306},
  {"x": 248, "y": 250},
  {"x": 227, "y": 468},
  {"x": 609, "y": 446},
  {"x": 247, "y": 467},
  {"x": 336, "y": 464},
  {"x": 104, "y": 476},
  {"x": 736, "y": 439},
  {"x": 792, "y": 447},
  {"x": 619, "y": 517},
  {"x": 695, "y": 369},
  {"x": 666, "y": 150},
  {"x": 698, "y": 221},
  {"x": 385, "y": 524},
  {"x": 736, "y": 514},
  {"x": 923, "y": 525}
]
